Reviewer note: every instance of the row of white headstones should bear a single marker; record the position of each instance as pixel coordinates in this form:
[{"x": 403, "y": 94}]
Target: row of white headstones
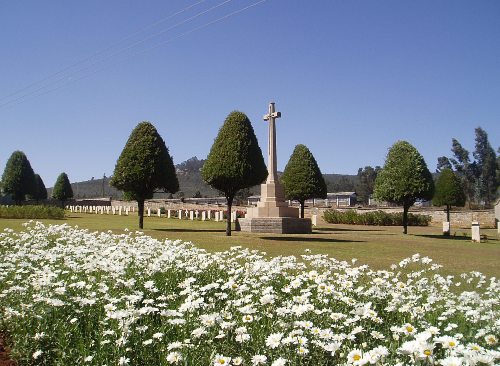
[{"x": 217, "y": 215}]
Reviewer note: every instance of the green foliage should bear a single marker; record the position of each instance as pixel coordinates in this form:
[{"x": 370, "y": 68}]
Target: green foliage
[
  {"x": 31, "y": 212},
  {"x": 235, "y": 160},
  {"x": 486, "y": 167},
  {"x": 466, "y": 170},
  {"x": 302, "y": 178},
  {"x": 404, "y": 177},
  {"x": 443, "y": 163},
  {"x": 449, "y": 190},
  {"x": 366, "y": 183},
  {"x": 40, "y": 190},
  {"x": 144, "y": 165},
  {"x": 18, "y": 178},
  {"x": 377, "y": 218},
  {"x": 62, "y": 189}
]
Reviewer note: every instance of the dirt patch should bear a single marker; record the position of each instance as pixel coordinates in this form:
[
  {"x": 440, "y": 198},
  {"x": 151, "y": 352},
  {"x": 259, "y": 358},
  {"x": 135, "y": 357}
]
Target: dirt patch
[{"x": 5, "y": 359}]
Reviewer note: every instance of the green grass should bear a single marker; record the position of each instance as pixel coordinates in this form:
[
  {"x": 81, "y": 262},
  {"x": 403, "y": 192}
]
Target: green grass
[{"x": 376, "y": 246}]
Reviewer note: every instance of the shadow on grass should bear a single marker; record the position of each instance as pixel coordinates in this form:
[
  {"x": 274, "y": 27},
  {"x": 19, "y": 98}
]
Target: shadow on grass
[
  {"x": 333, "y": 229},
  {"x": 308, "y": 239},
  {"x": 179, "y": 230},
  {"x": 451, "y": 237}
]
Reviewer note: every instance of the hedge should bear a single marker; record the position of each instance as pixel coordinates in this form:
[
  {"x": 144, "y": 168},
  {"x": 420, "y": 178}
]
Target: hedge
[
  {"x": 31, "y": 212},
  {"x": 378, "y": 218}
]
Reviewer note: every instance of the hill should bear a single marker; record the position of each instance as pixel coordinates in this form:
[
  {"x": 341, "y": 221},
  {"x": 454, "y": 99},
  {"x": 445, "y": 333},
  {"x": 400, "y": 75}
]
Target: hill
[{"x": 191, "y": 182}]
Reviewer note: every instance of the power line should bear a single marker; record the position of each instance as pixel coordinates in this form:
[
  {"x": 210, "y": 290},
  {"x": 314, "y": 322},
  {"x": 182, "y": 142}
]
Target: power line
[
  {"x": 38, "y": 92},
  {"x": 98, "y": 53}
]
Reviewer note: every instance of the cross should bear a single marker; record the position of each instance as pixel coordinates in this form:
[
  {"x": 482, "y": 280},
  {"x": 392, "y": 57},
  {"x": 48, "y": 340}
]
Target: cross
[{"x": 271, "y": 147}]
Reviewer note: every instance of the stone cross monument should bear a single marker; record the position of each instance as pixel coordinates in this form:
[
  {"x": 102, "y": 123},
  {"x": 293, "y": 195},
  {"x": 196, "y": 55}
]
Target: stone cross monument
[
  {"x": 272, "y": 213},
  {"x": 272, "y": 198}
]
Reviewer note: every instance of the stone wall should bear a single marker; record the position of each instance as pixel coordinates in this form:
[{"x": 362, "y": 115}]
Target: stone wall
[{"x": 459, "y": 218}]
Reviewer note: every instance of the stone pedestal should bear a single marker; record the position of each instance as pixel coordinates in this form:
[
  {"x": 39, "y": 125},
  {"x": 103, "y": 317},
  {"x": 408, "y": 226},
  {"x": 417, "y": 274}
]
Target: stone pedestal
[
  {"x": 277, "y": 225},
  {"x": 476, "y": 236}
]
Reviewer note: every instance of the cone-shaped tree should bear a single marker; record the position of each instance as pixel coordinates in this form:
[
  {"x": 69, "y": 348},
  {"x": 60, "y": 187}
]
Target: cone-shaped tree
[
  {"x": 40, "y": 190},
  {"x": 18, "y": 178},
  {"x": 302, "y": 178},
  {"x": 404, "y": 179},
  {"x": 449, "y": 192},
  {"x": 62, "y": 189},
  {"x": 235, "y": 160},
  {"x": 144, "y": 166}
]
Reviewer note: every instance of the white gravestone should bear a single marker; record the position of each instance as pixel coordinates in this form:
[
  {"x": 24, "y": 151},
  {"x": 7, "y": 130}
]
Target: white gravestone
[
  {"x": 186, "y": 214},
  {"x": 209, "y": 215},
  {"x": 127, "y": 210},
  {"x": 196, "y": 214},
  {"x": 149, "y": 212},
  {"x": 113, "y": 210},
  {"x": 120, "y": 210},
  {"x": 476, "y": 236},
  {"x": 169, "y": 213},
  {"x": 314, "y": 220},
  {"x": 107, "y": 210},
  {"x": 180, "y": 214},
  {"x": 203, "y": 215},
  {"x": 446, "y": 228},
  {"x": 159, "y": 212},
  {"x": 217, "y": 216},
  {"x": 191, "y": 215},
  {"x": 221, "y": 215}
]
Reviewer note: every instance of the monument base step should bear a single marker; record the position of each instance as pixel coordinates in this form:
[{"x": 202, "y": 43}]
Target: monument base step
[{"x": 277, "y": 225}]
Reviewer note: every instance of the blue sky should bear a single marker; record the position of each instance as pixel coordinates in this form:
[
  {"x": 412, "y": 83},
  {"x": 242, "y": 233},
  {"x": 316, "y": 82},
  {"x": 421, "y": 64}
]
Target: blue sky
[{"x": 350, "y": 77}]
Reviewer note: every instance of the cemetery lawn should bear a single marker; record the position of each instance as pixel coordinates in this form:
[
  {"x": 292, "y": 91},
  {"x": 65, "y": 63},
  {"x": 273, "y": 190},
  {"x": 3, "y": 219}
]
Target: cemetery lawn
[{"x": 379, "y": 247}]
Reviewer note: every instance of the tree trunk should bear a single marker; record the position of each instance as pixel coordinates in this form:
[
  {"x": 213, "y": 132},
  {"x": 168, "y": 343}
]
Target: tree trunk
[
  {"x": 140, "y": 204},
  {"x": 406, "y": 207},
  {"x": 229, "y": 207},
  {"x": 302, "y": 204},
  {"x": 448, "y": 213}
]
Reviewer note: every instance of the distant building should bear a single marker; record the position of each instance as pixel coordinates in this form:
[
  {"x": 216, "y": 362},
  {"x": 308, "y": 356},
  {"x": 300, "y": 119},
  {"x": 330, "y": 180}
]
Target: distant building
[{"x": 341, "y": 199}]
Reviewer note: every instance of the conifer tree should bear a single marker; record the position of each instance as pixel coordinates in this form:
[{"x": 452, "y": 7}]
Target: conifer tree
[
  {"x": 404, "y": 179},
  {"x": 62, "y": 189},
  {"x": 40, "y": 190},
  {"x": 144, "y": 166},
  {"x": 235, "y": 160},
  {"x": 486, "y": 166},
  {"x": 18, "y": 178},
  {"x": 449, "y": 192},
  {"x": 302, "y": 178}
]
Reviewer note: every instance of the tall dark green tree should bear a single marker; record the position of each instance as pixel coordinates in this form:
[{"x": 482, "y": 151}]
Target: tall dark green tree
[
  {"x": 62, "y": 189},
  {"x": 449, "y": 192},
  {"x": 366, "y": 183},
  {"x": 18, "y": 178},
  {"x": 486, "y": 167},
  {"x": 443, "y": 163},
  {"x": 144, "y": 166},
  {"x": 235, "y": 160},
  {"x": 40, "y": 190},
  {"x": 404, "y": 179},
  {"x": 466, "y": 170},
  {"x": 302, "y": 178}
]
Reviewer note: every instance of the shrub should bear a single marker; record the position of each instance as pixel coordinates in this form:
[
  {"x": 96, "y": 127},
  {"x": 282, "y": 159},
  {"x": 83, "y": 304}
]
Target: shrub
[
  {"x": 377, "y": 218},
  {"x": 31, "y": 212}
]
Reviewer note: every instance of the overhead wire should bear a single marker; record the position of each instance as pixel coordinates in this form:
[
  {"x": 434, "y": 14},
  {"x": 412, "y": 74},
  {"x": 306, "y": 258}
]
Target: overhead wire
[
  {"x": 67, "y": 76},
  {"x": 158, "y": 44}
]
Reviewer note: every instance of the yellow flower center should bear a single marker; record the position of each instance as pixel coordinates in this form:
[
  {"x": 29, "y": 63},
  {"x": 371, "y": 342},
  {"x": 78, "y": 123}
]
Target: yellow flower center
[
  {"x": 356, "y": 357},
  {"x": 427, "y": 352},
  {"x": 452, "y": 344},
  {"x": 409, "y": 329}
]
